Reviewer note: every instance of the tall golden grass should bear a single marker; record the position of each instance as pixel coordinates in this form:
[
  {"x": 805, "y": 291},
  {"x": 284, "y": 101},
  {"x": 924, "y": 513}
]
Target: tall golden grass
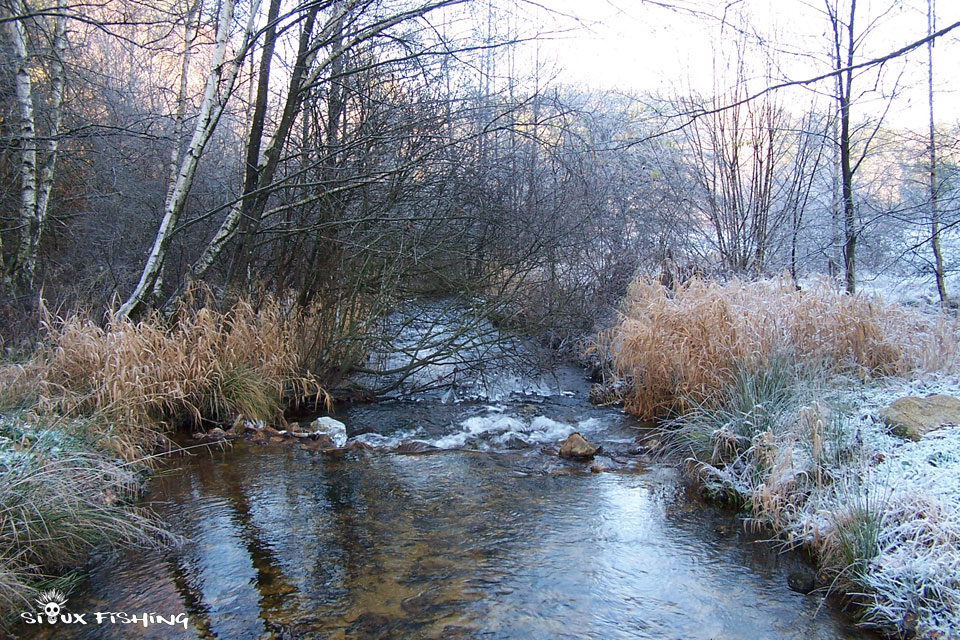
[
  {"x": 680, "y": 347},
  {"x": 200, "y": 364}
]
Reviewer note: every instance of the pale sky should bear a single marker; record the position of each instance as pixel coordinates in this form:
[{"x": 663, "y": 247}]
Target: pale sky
[{"x": 636, "y": 46}]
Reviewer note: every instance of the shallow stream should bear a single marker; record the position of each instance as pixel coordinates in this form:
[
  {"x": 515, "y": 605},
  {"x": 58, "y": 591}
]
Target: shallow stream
[{"x": 489, "y": 536}]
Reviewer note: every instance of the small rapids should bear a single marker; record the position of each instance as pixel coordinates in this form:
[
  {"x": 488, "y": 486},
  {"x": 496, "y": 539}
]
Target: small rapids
[{"x": 459, "y": 521}]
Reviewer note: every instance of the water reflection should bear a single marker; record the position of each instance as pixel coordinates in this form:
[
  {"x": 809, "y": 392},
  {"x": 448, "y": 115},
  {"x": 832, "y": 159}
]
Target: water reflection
[{"x": 287, "y": 543}]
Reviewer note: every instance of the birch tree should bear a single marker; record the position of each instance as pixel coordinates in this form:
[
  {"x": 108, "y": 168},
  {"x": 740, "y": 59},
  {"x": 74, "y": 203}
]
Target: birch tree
[
  {"x": 310, "y": 70},
  {"x": 220, "y": 82},
  {"x": 39, "y": 154}
]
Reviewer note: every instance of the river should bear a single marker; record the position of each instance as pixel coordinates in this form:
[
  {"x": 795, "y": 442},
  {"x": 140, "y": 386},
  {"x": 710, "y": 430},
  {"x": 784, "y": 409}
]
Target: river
[
  {"x": 492, "y": 536},
  {"x": 460, "y": 522}
]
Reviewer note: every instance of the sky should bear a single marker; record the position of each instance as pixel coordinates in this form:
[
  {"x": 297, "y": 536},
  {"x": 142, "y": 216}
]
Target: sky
[{"x": 631, "y": 45}]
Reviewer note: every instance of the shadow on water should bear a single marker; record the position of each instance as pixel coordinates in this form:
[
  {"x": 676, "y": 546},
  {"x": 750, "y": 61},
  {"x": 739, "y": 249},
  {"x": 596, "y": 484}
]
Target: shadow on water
[
  {"x": 486, "y": 535},
  {"x": 286, "y": 543}
]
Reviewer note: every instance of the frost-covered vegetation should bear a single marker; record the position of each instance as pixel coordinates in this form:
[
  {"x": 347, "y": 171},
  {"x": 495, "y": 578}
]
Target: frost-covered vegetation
[
  {"x": 774, "y": 395},
  {"x": 678, "y": 347},
  {"x": 61, "y": 496}
]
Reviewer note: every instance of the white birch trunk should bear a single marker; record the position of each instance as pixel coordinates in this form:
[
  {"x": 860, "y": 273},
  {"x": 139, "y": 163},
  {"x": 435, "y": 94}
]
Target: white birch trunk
[
  {"x": 36, "y": 177},
  {"x": 28, "y": 145},
  {"x": 173, "y": 164},
  {"x": 219, "y": 86},
  {"x": 228, "y": 228}
]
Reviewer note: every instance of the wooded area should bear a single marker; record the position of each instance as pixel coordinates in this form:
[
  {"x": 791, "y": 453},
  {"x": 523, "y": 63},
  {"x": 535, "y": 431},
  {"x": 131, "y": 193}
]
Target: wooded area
[{"x": 353, "y": 153}]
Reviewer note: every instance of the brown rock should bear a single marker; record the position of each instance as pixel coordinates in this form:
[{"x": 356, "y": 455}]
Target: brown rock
[
  {"x": 802, "y": 580},
  {"x": 320, "y": 443},
  {"x": 213, "y": 435},
  {"x": 295, "y": 428},
  {"x": 275, "y": 439},
  {"x": 577, "y": 448},
  {"x": 323, "y": 441},
  {"x": 414, "y": 446},
  {"x": 913, "y": 417}
]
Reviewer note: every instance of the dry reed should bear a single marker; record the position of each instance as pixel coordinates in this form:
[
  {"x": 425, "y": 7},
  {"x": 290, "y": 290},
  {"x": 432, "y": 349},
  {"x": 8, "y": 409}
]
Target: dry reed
[
  {"x": 678, "y": 347},
  {"x": 201, "y": 364}
]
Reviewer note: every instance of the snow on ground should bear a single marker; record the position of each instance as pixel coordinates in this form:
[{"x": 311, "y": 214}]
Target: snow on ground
[
  {"x": 910, "y": 290},
  {"x": 917, "y": 487}
]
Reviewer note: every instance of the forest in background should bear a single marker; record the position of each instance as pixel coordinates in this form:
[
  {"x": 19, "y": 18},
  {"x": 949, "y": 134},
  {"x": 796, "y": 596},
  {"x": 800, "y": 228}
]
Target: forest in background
[{"x": 355, "y": 153}]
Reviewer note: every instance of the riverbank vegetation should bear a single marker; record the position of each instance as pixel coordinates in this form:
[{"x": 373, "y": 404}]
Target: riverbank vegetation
[
  {"x": 232, "y": 206},
  {"x": 62, "y": 496},
  {"x": 769, "y": 395},
  {"x": 84, "y": 418}
]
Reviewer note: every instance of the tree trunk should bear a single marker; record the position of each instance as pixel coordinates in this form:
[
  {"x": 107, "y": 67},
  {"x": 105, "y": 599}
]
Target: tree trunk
[
  {"x": 266, "y": 166},
  {"x": 241, "y": 259},
  {"x": 36, "y": 180},
  {"x": 844, "y": 89},
  {"x": 219, "y": 86},
  {"x": 934, "y": 213}
]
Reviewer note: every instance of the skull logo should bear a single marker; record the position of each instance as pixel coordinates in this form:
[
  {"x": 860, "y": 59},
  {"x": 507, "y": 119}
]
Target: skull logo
[
  {"x": 51, "y": 602},
  {"x": 52, "y": 609}
]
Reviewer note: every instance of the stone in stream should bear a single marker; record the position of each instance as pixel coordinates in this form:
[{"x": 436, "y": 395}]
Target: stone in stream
[
  {"x": 263, "y": 434},
  {"x": 322, "y": 442},
  {"x": 213, "y": 435},
  {"x": 913, "y": 417},
  {"x": 415, "y": 446},
  {"x": 576, "y": 447},
  {"x": 334, "y": 429},
  {"x": 802, "y": 581}
]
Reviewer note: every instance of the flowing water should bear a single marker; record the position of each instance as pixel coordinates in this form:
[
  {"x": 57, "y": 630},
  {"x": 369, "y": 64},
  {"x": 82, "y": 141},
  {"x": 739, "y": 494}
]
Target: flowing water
[{"x": 462, "y": 522}]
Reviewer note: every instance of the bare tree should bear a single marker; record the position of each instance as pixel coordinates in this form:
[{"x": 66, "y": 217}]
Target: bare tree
[
  {"x": 934, "y": 187},
  {"x": 221, "y": 78}
]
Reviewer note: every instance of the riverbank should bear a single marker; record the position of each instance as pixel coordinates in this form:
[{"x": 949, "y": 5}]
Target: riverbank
[
  {"x": 83, "y": 419},
  {"x": 771, "y": 398},
  {"x": 62, "y": 496}
]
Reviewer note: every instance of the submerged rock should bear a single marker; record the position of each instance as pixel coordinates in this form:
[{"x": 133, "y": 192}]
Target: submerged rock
[
  {"x": 914, "y": 417},
  {"x": 213, "y": 435},
  {"x": 802, "y": 581},
  {"x": 415, "y": 446},
  {"x": 322, "y": 442},
  {"x": 334, "y": 429},
  {"x": 576, "y": 447}
]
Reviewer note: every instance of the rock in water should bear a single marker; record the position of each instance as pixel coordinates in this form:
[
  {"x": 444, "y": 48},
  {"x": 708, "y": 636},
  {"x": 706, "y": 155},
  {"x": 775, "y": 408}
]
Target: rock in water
[
  {"x": 323, "y": 442},
  {"x": 214, "y": 435},
  {"x": 914, "y": 417},
  {"x": 577, "y": 448},
  {"x": 334, "y": 429},
  {"x": 802, "y": 581}
]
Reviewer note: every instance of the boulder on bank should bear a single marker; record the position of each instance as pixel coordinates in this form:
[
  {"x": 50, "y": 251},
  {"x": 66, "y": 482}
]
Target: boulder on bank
[
  {"x": 334, "y": 429},
  {"x": 576, "y": 447},
  {"x": 914, "y": 417}
]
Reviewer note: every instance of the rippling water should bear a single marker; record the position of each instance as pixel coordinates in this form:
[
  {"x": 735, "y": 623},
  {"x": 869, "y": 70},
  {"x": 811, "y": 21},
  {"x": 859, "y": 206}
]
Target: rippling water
[{"x": 492, "y": 537}]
